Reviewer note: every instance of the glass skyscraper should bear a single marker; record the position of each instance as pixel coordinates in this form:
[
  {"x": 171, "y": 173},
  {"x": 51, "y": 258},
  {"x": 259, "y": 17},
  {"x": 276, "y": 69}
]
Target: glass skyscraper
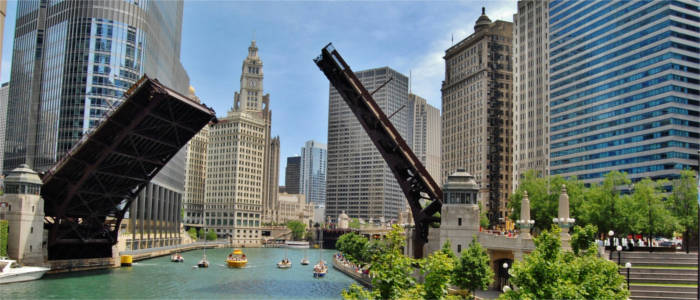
[
  {"x": 312, "y": 178},
  {"x": 72, "y": 62},
  {"x": 624, "y": 88}
]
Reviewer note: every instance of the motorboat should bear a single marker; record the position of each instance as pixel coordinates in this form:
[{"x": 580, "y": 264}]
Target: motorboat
[
  {"x": 284, "y": 264},
  {"x": 236, "y": 259},
  {"x": 305, "y": 260},
  {"x": 297, "y": 244},
  {"x": 11, "y": 271},
  {"x": 204, "y": 263},
  {"x": 177, "y": 258},
  {"x": 320, "y": 269}
]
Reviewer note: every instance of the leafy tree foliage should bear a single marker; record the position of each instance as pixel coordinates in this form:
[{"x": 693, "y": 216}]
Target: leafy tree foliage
[
  {"x": 447, "y": 249},
  {"x": 603, "y": 205},
  {"x": 550, "y": 273},
  {"x": 4, "y": 225},
  {"x": 298, "y": 229},
  {"x": 583, "y": 237},
  {"x": 437, "y": 269},
  {"x": 211, "y": 235},
  {"x": 353, "y": 246},
  {"x": 649, "y": 210},
  {"x": 201, "y": 234},
  {"x": 354, "y": 223},
  {"x": 683, "y": 204},
  {"x": 193, "y": 233},
  {"x": 473, "y": 270}
]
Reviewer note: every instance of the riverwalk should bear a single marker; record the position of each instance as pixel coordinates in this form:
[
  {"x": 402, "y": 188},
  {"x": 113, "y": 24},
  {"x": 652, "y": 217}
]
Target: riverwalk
[
  {"x": 362, "y": 278},
  {"x": 142, "y": 254}
]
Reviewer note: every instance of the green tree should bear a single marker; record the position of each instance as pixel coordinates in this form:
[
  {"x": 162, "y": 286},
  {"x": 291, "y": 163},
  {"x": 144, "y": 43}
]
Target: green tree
[
  {"x": 604, "y": 207},
  {"x": 193, "y": 233},
  {"x": 354, "y": 223},
  {"x": 3, "y": 237},
  {"x": 583, "y": 237},
  {"x": 543, "y": 194},
  {"x": 652, "y": 216},
  {"x": 473, "y": 270},
  {"x": 550, "y": 273},
  {"x": 683, "y": 204},
  {"x": 447, "y": 249},
  {"x": 211, "y": 235},
  {"x": 437, "y": 268},
  {"x": 298, "y": 229},
  {"x": 353, "y": 246},
  {"x": 202, "y": 235},
  {"x": 483, "y": 218}
]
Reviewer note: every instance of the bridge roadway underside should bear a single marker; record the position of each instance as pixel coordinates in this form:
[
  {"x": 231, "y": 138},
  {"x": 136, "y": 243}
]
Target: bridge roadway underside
[{"x": 90, "y": 189}]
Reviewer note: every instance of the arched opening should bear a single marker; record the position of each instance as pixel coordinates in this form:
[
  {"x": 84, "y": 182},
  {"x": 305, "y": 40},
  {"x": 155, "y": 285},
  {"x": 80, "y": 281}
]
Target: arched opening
[{"x": 502, "y": 276}]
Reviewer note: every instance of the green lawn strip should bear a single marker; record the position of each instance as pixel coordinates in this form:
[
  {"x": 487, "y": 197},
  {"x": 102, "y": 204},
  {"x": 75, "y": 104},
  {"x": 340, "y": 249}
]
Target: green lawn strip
[
  {"x": 666, "y": 284},
  {"x": 664, "y": 267}
]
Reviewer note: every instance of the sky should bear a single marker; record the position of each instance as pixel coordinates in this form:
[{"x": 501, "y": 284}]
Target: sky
[{"x": 408, "y": 36}]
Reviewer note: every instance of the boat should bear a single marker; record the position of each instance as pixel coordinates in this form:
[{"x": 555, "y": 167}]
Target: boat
[
  {"x": 285, "y": 263},
  {"x": 320, "y": 269},
  {"x": 177, "y": 258},
  {"x": 204, "y": 263},
  {"x": 305, "y": 260},
  {"x": 236, "y": 259},
  {"x": 297, "y": 244},
  {"x": 11, "y": 271}
]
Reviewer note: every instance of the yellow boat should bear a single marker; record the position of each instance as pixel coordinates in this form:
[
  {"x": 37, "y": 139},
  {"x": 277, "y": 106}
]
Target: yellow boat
[{"x": 236, "y": 259}]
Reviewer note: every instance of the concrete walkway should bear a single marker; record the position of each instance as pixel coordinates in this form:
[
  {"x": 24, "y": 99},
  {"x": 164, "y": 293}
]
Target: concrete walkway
[{"x": 142, "y": 254}]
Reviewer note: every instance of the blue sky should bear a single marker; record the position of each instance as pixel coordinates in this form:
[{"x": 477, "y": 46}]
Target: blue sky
[{"x": 404, "y": 35}]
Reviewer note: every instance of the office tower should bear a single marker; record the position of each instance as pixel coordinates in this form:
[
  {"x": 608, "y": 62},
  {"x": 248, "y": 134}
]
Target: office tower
[
  {"x": 358, "y": 180},
  {"x": 4, "y": 93},
  {"x": 195, "y": 175},
  {"x": 291, "y": 175},
  {"x": 477, "y": 112},
  {"x": 237, "y": 169},
  {"x": 530, "y": 90},
  {"x": 72, "y": 63},
  {"x": 623, "y": 88},
  {"x": 312, "y": 179},
  {"x": 3, "y": 14},
  {"x": 271, "y": 185},
  {"x": 426, "y": 135}
]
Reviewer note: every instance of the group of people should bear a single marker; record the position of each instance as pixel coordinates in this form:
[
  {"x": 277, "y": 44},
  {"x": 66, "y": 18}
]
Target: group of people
[
  {"x": 235, "y": 258},
  {"x": 630, "y": 242},
  {"x": 356, "y": 268}
]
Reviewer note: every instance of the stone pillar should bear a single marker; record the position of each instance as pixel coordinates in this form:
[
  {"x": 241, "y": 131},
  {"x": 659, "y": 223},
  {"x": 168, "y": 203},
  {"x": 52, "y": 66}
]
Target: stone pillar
[
  {"x": 525, "y": 223},
  {"x": 563, "y": 218}
]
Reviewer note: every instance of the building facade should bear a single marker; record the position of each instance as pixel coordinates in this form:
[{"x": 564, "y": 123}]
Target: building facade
[
  {"x": 358, "y": 179},
  {"x": 238, "y": 169},
  {"x": 624, "y": 88},
  {"x": 72, "y": 63},
  {"x": 291, "y": 175},
  {"x": 427, "y": 126},
  {"x": 295, "y": 207},
  {"x": 4, "y": 93},
  {"x": 477, "y": 112},
  {"x": 530, "y": 89},
  {"x": 312, "y": 178},
  {"x": 195, "y": 175}
]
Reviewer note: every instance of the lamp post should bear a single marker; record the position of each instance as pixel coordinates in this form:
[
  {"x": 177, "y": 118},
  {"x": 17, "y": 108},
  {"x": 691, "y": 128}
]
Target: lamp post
[
  {"x": 610, "y": 237},
  {"x": 619, "y": 253},
  {"x": 628, "y": 266},
  {"x": 505, "y": 267}
]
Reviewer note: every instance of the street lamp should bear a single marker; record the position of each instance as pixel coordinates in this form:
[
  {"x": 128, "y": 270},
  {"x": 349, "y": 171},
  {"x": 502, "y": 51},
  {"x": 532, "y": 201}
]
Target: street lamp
[
  {"x": 505, "y": 267},
  {"x": 628, "y": 266},
  {"x": 619, "y": 253},
  {"x": 610, "y": 237}
]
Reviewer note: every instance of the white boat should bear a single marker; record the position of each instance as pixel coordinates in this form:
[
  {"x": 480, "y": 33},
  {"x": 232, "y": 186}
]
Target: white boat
[
  {"x": 11, "y": 271},
  {"x": 305, "y": 260},
  {"x": 285, "y": 263},
  {"x": 297, "y": 244}
]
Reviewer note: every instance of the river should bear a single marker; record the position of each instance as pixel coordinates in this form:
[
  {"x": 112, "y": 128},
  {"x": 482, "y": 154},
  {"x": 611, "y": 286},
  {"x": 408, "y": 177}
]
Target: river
[{"x": 159, "y": 278}]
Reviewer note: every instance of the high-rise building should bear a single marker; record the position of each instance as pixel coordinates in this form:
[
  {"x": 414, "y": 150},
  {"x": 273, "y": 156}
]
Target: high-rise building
[
  {"x": 477, "y": 112},
  {"x": 623, "y": 88},
  {"x": 3, "y": 14},
  {"x": 4, "y": 93},
  {"x": 530, "y": 89},
  {"x": 358, "y": 180},
  {"x": 195, "y": 175},
  {"x": 312, "y": 179},
  {"x": 238, "y": 166},
  {"x": 72, "y": 62},
  {"x": 426, "y": 135},
  {"x": 291, "y": 175},
  {"x": 272, "y": 171}
]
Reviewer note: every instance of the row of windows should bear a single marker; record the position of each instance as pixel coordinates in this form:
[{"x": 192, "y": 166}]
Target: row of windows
[
  {"x": 630, "y": 171},
  {"x": 635, "y": 139},
  {"x": 619, "y": 162},
  {"x": 614, "y": 113},
  {"x": 631, "y": 129},
  {"x": 566, "y": 13}
]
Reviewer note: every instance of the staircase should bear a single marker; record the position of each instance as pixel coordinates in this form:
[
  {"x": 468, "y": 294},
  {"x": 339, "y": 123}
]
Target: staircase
[{"x": 661, "y": 275}]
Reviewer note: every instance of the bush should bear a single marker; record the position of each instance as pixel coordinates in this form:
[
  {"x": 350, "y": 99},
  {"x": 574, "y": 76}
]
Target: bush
[
  {"x": 211, "y": 235},
  {"x": 3, "y": 237},
  {"x": 193, "y": 233},
  {"x": 298, "y": 229}
]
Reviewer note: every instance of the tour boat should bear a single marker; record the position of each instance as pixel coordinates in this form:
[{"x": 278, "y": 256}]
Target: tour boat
[
  {"x": 177, "y": 258},
  {"x": 236, "y": 259},
  {"x": 297, "y": 244},
  {"x": 11, "y": 271},
  {"x": 204, "y": 263}
]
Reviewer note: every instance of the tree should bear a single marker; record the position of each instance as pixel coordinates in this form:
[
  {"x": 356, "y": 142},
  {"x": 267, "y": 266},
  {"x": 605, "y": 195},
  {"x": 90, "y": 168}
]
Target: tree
[
  {"x": 354, "y": 223},
  {"x": 211, "y": 235},
  {"x": 682, "y": 204},
  {"x": 298, "y": 228},
  {"x": 202, "y": 235},
  {"x": 4, "y": 225},
  {"x": 550, "y": 273},
  {"x": 473, "y": 270},
  {"x": 483, "y": 218},
  {"x": 543, "y": 194},
  {"x": 604, "y": 207},
  {"x": 583, "y": 237},
  {"x": 652, "y": 216},
  {"x": 437, "y": 268},
  {"x": 353, "y": 246},
  {"x": 447, "y": 249},
  {"x": 193, "y": 233}
]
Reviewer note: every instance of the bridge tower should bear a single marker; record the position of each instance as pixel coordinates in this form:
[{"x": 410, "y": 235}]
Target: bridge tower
[{"x": 25, "y": 216}]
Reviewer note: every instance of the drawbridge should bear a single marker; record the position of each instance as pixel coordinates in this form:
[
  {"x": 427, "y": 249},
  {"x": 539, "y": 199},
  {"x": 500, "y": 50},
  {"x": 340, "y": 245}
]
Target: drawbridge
[
  {"x": 89, "y": 190},
  {"x": 414, "y": 180}
]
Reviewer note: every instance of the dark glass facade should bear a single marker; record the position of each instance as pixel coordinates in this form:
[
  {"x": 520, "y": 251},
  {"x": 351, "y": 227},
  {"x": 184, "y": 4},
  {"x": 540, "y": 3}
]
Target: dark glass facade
[{"x": 624, "y": 88}]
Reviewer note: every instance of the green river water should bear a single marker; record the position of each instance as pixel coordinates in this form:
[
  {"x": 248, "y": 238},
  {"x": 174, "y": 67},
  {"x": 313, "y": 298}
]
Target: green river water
[{"x": 159, "y": 278}]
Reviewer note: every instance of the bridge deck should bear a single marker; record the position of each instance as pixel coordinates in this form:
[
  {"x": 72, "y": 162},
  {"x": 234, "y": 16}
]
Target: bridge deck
[{"x": 89, "y": 190}]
